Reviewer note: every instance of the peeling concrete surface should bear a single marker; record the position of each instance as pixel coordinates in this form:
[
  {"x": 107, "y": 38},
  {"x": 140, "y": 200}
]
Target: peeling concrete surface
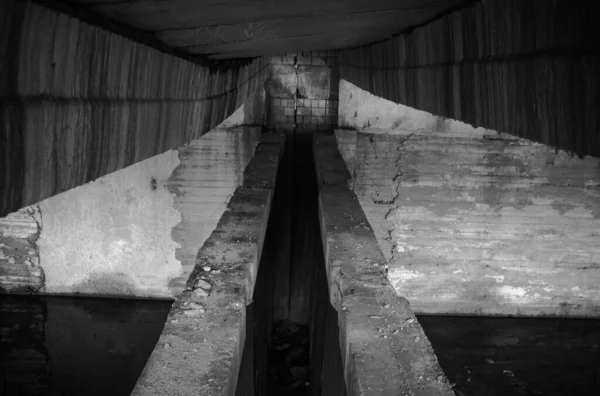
[
  {"x": 134, "y": 232},
  {"x": 200, "y": 348},
  {"x": 473, "y": 221},
  {"x": 384, "y": 349},
  {"x": 210, "y": 170},
  {"x": 20, "y": 269}
]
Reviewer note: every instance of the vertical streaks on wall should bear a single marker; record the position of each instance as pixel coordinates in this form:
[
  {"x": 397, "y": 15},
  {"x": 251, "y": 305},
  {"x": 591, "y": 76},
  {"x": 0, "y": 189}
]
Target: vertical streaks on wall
[
  {"x": 528, "y": 68},
  {"x": 79, "y": 102}
]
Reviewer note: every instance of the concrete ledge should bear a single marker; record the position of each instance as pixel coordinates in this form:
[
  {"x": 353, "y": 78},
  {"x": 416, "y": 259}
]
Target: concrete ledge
[
  {"x": 384, "y": 349},
  {"x": 200, "y": 348}
]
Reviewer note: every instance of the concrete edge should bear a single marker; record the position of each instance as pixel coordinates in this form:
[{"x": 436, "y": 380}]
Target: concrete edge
[
  {"x": 200, "y": 348},
  {"x": 384, "y": 349}
]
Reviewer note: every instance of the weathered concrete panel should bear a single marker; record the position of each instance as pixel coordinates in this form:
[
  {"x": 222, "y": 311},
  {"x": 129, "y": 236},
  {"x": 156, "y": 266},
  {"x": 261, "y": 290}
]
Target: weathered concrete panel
[
  {"x": 113, "y": 236},
  {"x": 78, "y": 102},
  {"x": 211, "y": 168},
  {"x": 200, "y": 349},
  {"x": 135, "y": 232},
  {"x": 20, "y": 269},
  {"x": 528, "y": 68},
  {"x": 384, "y": 349},
  {"x": 472, "y": 221}
]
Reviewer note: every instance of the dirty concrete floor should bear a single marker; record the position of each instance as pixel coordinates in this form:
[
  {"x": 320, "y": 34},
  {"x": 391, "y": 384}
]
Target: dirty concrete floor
[
  {"x": 59, "y": 346},
  {"x": 517, "y": 356}
]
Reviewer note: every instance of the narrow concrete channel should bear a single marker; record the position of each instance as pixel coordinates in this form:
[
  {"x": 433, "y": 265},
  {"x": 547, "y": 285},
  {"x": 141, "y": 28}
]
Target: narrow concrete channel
[{"x": 292, "y": 336}]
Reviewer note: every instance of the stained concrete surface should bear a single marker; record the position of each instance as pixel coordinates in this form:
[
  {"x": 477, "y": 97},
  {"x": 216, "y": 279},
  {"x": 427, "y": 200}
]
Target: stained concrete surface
[
  {"x": 473, "y": 221},
  {"x": 517, "y": 357},
  {"x": 200, "y": 348},
  {"x": 239, "y": 29},
  {"x": 135, "y": 232},
  {"x": 384, "y": 349},
  {"x": 60, "y": 346},
  {"x": 528, "y": 68}
]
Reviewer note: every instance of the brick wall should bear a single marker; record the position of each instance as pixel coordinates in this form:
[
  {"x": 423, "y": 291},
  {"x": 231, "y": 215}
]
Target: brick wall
[{"x": 304, "y": 91}]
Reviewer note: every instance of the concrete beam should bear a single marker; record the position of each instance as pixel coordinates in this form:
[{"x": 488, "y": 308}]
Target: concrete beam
[
  {"x": 200, "y": 349},
  {"x": 78, "y": 102},
  {"x": 527, "y": 68},
  {"x": 384, "y": 349}
]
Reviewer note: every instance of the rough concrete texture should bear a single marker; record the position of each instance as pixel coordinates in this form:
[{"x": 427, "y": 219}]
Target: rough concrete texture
[
  {"x": 20, "y": 269},
  {"x": 528, "y": 68},
  {"x": 135, "y": 232},
  {"x": 210, "y": 170},
  {"x": 200, "y": 349},
  {"x": 472, "y": 221},
  {"x": 384, "y": 349},
  {"x": 113, "y": 236},
  {"x": 79, "y": 102}
]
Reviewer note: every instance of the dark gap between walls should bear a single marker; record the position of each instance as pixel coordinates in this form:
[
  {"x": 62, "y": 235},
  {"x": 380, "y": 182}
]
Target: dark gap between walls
[{"x": 295, "y": 352}]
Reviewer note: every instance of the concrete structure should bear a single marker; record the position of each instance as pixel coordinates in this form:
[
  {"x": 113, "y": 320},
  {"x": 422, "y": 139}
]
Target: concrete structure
[
  {"x": 473, "y": 221},
  {"x": 141, "y": 144}
]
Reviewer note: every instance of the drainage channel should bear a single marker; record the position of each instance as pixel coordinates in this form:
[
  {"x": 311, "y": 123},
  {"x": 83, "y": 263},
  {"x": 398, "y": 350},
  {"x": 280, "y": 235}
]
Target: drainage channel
[{"x": 292, "y": 339}]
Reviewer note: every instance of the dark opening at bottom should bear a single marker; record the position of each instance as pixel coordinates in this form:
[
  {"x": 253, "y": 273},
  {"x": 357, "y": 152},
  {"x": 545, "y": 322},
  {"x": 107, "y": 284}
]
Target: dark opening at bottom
[
  {"x": 292, "y": 336},
  {"x": 58, "y": 346},
  {"x": 517, "y": 356}
]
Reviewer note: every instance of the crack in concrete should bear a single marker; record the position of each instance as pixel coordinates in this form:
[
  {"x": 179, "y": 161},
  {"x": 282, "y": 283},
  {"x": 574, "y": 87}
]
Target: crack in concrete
[{"x": 392, "y": 202}]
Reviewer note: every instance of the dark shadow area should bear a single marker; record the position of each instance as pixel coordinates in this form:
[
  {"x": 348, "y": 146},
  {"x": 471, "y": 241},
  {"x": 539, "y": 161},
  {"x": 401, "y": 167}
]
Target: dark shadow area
[
  {"x": 517, "y": 356},
  {"x": 60, "y": 346},
  {"x": 292, "y": 335}
]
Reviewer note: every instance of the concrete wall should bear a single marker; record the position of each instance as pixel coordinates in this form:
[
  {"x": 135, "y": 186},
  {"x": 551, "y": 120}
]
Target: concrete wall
[
  {"x": 384, "y": 350},
  {"x": 528, "y": 68},
  {"x": 207, "y": 359},
  {"x": 472, "y": 221},
  {"x": 78, "y": 102},
  {"x": 135, "y": 232}
]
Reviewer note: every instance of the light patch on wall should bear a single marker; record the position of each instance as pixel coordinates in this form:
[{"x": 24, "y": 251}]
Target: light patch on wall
[
  {"x": 401, "y": 275},
  {"x": 113, "y": 235},
  {"x": 514, "y": 294},
  {"x": 362, "y": 110},
  {"x": 497, "y": 278}
]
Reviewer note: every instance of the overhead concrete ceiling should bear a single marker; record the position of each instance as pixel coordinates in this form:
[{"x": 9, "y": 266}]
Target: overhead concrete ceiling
[{"x": 222, "y": 29}]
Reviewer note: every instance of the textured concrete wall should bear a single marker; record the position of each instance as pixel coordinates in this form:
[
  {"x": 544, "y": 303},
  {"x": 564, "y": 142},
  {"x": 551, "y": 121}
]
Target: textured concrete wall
[
  {"x": 472, "y": 221},
  {"x": 384, "y": 350},
  {"x": 211, "y": 169},
  {"x": 302, "y": 90},
  {"x": 528, "y": 68},
  {"x": 135, "y": 232},
  {"x": 207, "y": 359},
  {"x": 78, "y": 102}
]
